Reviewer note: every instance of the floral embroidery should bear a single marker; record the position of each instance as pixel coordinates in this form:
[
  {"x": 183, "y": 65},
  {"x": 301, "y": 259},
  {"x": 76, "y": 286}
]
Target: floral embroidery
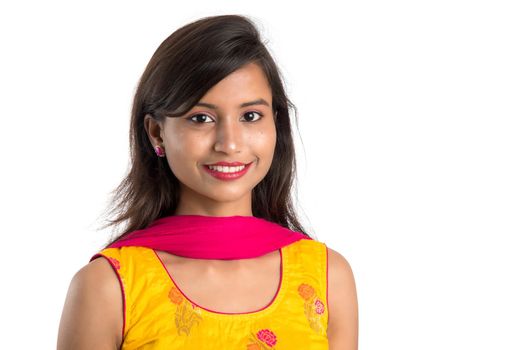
[
  {"x": 319, "y": 307},
  {"x": 306, "y": 291},
  {"x": 175, "y": 296},
  {"x": 187, "y": 314},
  {"x": 313, "y": 307},
  {"x": 267, "y": 337},
  {"x": 115, "y": 262},
  {"x": 264, "y": 339}
]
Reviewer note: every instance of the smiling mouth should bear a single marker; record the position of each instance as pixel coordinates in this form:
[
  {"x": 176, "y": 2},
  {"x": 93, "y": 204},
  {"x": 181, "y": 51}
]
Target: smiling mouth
[
  {"x": 227, "y": 173},
  {"x": 227, "y": 169}
]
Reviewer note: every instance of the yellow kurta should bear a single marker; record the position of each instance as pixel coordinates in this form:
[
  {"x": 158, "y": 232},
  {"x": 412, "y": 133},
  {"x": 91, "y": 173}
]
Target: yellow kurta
[{"x": 158, "y": 315}]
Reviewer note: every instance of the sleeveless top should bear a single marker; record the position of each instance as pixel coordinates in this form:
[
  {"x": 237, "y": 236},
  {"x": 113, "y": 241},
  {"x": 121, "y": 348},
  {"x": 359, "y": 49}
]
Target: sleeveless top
[{"x": 158, "y": 315}]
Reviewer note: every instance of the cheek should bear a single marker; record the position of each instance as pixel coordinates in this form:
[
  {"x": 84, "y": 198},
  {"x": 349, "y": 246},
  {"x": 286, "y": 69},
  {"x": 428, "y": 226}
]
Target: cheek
[
  {"x": 265, "y": 142},
  {"x": 186, "y": 148}
]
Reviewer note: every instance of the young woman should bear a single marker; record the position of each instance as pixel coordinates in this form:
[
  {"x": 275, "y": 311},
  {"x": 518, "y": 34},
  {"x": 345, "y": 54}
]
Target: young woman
[{"x": 212, "y": 255}]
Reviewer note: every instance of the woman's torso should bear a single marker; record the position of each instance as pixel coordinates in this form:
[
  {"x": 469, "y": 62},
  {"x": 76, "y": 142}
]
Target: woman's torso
[
  {"x": 228, "y": 286},
  {"x": 276, "y": 301}
]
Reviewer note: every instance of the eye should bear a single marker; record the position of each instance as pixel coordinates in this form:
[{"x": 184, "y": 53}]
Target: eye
[
  {"x": 200, "y": 120},
  {"x": 201, "y": 117},
  {"x": 250, "y": 113}
]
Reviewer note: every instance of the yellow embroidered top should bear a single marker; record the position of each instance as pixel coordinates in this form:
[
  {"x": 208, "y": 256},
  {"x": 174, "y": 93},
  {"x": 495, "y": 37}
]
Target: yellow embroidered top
[{"x": 158, "y": 315}]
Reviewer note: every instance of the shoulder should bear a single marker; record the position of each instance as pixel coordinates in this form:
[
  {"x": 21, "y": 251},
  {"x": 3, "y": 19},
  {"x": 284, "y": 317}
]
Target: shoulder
[
  {"x": 92, "y": 314},
  {"x": 100, "y": 276},
  {"x": 342, "y": 302}
]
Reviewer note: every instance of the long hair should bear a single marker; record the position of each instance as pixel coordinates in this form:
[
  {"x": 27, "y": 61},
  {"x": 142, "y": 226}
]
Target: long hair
[{"x": 183, "y": 68}]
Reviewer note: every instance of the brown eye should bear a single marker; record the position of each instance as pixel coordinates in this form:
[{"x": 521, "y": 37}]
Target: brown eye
[
  {"x": 200, "y": 118},
  {"x": 251, "y": 114}
]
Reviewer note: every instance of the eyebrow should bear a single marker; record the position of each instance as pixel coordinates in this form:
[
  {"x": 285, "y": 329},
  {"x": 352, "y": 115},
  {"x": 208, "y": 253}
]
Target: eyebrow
[{"x": 260, "y": 101}]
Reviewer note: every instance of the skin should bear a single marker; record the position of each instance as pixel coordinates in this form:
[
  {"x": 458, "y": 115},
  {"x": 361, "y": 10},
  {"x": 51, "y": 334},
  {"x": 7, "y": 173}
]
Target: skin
[
  {"x": 92, "y": 316},
  {"x": 228, "y": 133}
]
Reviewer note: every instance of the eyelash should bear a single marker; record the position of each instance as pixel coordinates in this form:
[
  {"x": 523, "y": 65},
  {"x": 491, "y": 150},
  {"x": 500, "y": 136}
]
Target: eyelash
[{"x": 190, "y": 119}]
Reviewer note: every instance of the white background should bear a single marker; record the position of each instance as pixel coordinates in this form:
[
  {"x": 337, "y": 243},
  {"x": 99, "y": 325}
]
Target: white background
[{"x": 410, "y": 146}]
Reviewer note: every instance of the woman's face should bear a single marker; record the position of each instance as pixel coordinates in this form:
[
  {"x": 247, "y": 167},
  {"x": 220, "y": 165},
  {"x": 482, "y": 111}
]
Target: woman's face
[{"x": 233, "y": 122}]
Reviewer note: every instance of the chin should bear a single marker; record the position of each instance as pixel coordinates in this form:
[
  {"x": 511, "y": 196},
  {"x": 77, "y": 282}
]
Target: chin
[{"x": 229, "y": 195}]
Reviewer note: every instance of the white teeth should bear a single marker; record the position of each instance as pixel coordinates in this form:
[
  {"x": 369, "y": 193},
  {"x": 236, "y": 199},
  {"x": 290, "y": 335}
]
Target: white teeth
[{"x": 226, "y": 169}]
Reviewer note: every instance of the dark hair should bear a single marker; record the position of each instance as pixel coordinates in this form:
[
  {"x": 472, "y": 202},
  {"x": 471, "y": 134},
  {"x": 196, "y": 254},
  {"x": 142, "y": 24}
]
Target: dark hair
[{"x": 183, "y": 68}]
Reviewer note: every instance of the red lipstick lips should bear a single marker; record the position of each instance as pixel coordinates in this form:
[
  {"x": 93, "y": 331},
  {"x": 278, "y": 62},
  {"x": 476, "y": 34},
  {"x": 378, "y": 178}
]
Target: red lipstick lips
[
  {"x": 227, "y": 176},
  {"x": 228, "y": 164}
]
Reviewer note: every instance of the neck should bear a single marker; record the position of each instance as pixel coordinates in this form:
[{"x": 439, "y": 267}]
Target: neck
[{"x": 216, "y": 212}]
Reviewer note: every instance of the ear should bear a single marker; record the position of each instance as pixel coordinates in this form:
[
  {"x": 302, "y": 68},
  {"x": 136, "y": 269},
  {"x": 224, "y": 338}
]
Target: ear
[{"x": 154, "y": 130}]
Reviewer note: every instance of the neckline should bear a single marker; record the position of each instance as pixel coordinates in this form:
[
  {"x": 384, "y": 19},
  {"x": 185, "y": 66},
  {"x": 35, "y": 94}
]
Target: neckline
[{"x": 275, "y": 301}]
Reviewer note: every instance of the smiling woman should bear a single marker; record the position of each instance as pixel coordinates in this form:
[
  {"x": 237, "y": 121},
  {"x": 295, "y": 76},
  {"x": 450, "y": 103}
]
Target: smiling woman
[
  {"x": 212, "y": 254},
  {"x": 233, "y": 124}
]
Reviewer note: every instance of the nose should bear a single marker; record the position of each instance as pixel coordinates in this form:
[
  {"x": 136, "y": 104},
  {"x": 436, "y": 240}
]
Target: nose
[{"x": 228, "y": 136}]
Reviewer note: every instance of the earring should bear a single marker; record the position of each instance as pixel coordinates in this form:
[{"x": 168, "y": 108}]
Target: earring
[{"x": 159, "y": 151}]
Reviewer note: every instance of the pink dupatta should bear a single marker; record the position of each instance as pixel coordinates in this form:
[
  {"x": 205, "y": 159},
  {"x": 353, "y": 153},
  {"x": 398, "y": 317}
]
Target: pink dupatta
[{"x": 212, "y": 237}]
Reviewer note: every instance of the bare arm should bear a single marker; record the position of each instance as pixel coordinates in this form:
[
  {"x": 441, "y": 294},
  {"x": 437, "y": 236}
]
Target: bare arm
[
  {"x": 92, "y": 317},
  {"x": 342, "y": 302}
]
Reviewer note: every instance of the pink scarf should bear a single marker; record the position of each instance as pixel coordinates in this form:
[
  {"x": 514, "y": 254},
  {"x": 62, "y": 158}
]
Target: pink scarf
[{"x": 212, "y": 237}]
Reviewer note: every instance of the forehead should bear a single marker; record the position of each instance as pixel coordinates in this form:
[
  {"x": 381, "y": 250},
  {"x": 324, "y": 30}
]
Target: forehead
[{"x": 245, "y": 84}]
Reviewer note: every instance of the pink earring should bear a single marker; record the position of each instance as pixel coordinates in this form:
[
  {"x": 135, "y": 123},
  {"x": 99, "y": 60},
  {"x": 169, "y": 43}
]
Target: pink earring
[{"x": 159, "y": 151}]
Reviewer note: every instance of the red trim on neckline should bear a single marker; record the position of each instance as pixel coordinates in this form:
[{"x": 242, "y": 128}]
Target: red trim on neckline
[
  {"x": 277, "y": 294},
  {"x": 327, "y": 283}
]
